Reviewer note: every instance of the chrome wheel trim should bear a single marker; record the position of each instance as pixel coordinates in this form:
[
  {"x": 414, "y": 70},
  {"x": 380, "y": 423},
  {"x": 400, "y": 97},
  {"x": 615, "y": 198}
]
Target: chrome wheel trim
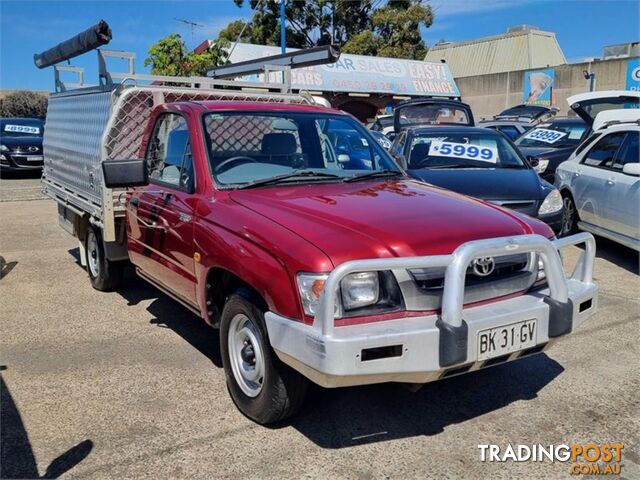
[
  {"x": 92, "y": 255},
  {"x": 567, "y": 217},
  {"x": 246, "y": 355}
]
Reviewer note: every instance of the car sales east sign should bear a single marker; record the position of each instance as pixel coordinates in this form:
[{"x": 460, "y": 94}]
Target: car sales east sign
[{"x": 359, "y": 73}]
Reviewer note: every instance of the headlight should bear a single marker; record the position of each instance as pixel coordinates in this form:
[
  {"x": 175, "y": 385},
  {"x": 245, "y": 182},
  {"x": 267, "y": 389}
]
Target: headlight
[
  {"x": 543, "y": 163},
  {"x": 551, "y": 204},
  {"x": 359, "y": 290},
  {"x": 4, "y": 148},
  {"x": 377, "y": 290}
]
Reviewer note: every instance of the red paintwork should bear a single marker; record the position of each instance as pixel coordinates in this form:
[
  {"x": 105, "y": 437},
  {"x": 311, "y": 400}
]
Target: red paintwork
[{"x": 267, "y": 235}]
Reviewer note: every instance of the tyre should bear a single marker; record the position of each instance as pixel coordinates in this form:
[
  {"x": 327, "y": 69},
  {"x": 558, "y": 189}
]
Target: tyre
[
  {"x": 104, "y": 274},
  {"x": 569, "y": 216},
  {"x": 262, "y": 387}
]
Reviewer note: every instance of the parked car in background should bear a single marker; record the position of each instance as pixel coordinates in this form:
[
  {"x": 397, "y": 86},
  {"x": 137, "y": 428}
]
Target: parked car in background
[
  {"x": 481, "y": 163},
  {"x": 383, "y": 124},
  {"x": 382, "y": 139},
  {"x": 514, "y": 121},
  {"x": 551, "y": 143},
  {"x": 600, "y": 184},
  {"x": 21, "y": 144}
]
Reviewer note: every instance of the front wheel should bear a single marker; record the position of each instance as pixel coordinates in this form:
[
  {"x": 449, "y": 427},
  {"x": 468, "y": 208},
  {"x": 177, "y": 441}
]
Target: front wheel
[
  {"x": 569, "y": 216},
  {"x": 104, "y": 274},
  {"x": 262, "y": 387}
]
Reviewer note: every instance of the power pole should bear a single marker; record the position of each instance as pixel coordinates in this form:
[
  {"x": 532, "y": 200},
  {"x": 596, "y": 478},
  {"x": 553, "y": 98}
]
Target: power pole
[{"x": 283, "y": 31}]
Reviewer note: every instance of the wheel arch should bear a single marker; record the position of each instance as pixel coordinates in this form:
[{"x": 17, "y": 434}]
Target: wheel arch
[{"x": 219, "y": 284}]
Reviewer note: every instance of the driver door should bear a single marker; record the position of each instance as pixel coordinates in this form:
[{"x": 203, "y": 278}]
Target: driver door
[{"x": 161, "y": 215}]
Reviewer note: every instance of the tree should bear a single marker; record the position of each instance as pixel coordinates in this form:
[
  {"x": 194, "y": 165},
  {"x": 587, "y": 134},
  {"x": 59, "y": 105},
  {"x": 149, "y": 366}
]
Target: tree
[
  {"x": 170, "y": 56},
  {"x": 366, "y": 27},
  {"x": 23, "y": 103},
  {"x": 398, "y": 26}
]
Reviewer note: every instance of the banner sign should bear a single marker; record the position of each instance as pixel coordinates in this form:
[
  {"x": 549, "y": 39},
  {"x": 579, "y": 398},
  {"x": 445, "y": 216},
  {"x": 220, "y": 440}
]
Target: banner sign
[
  {"x": 538, "y": 87},
  {"x": 359, "y": 73},
  {"x": 633, "y": 75}
]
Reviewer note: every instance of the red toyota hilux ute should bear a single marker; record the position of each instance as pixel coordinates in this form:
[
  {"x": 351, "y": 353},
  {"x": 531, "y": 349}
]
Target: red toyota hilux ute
[{"x": 288, "y": 227}]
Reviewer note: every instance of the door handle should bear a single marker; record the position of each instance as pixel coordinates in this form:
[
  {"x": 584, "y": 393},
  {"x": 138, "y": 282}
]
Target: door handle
[
  {"x": 134, "y": 202},
  {"x": 577, "y": 174},
  {"x": 611, "y": 181}
]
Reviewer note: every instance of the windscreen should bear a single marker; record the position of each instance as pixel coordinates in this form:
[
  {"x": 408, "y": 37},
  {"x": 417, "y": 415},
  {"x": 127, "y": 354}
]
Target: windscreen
[
  {"x": 432, "y": 114},
  {"x": 523, "y": 111},
  {"x": 462, "y": 150},
  {"x": 250, "y": 147},
  {"x": 553, "y": 135}
]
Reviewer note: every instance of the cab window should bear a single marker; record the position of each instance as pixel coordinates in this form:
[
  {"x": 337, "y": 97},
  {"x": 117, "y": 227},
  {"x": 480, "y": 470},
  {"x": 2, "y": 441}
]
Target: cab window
[{"x": 168, "y": 156}]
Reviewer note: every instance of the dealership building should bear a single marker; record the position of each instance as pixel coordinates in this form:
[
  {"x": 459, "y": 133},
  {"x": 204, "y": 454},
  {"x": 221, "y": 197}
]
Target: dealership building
[
  {"x": 490, "y": 73},
  {"x": 358, "y": 84},
  {"x": 494, "y": 73}
]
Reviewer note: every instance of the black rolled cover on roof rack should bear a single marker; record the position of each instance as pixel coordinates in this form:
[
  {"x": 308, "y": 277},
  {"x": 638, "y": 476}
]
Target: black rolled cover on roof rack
[{"x": 93, "y": 37}]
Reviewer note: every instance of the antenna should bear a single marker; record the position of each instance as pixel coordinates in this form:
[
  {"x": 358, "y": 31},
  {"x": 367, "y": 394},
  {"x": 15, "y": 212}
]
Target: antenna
[{"x": 191, "y": 24}]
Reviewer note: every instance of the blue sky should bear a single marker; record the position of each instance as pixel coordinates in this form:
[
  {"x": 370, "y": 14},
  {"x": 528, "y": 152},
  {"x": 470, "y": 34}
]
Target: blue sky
[{"x": 583, "y": 27}]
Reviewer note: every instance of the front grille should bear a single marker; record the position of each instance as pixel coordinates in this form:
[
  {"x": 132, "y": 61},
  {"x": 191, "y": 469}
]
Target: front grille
[
  {"x": 21, "y": 160},
  {"x": 430, "y": 278},
  {"x": 512, "y": 273}
]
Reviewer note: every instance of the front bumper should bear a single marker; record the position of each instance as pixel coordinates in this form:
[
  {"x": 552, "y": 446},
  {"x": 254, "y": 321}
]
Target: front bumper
[
  {"x": 426, "y": 348},
  {"x": 12, "y": 161}
]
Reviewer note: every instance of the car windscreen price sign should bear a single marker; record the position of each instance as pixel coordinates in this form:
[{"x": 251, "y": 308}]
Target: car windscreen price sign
[
  {"x": 22, "y": 129},
  {"x": 463, "y": 150},
  {"x": 544, "y": 135}
]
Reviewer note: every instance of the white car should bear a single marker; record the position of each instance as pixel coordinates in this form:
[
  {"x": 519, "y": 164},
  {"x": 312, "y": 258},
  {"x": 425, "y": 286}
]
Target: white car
[
  {"x": 600, "y": 183},
  {"x": 382, "y": 124}
]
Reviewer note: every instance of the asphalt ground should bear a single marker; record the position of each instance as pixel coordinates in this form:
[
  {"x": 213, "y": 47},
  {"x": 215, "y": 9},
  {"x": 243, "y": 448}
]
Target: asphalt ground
[{"x": 130, "y": 385}]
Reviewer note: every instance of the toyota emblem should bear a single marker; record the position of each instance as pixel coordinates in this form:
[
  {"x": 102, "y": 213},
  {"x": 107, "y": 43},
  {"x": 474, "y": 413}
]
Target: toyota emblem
[{"x": 483, "y": 266}]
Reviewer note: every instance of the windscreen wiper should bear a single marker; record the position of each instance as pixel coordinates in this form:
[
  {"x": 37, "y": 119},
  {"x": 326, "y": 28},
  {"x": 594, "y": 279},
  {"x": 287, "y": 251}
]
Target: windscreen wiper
[
  {"x": 453, "y": 165},
  {"x": 296, "y": 174},
  {"x": 376, "y": 173}
]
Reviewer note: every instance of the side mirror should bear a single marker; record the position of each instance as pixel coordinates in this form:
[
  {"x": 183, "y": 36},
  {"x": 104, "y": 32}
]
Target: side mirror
[
  {"x": 125, "y": 173},
  {"x": 631, "y": 169},
  {"x": 533, "y": 161}
]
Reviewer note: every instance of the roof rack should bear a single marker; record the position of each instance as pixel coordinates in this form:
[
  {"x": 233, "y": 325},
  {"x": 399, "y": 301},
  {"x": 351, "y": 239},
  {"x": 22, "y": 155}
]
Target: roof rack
[
  {"x": 612, "y": 123},
  {"x": 100, "y": 34},
  {"x": 109, "y": 77}
]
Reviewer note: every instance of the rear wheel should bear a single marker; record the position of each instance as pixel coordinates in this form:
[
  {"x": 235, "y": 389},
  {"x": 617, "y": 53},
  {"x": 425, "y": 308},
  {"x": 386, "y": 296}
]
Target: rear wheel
[
  {"x": 262, "y": 387},
  {"x": 569, "y": 216},
  {"x": 104, "y": 274}
]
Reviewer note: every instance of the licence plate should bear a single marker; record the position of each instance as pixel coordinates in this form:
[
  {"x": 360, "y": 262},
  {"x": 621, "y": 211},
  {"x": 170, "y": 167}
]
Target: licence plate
[
  {"x": 494, "y": 342},
  {"x": 35, "y": 158}
]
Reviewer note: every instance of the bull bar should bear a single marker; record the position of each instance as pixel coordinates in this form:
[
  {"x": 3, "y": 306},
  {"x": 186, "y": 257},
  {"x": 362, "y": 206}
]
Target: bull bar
[{"x": 429, "y": 345}]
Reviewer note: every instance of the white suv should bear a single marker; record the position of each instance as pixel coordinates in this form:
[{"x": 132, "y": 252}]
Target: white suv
[{"x": 600, "y": 183}]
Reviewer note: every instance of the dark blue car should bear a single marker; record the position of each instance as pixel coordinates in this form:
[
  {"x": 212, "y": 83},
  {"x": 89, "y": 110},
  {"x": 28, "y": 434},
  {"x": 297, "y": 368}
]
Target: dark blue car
[
  {"x": 479, "y": 162},
  {"x": 21, "y": 144}
]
